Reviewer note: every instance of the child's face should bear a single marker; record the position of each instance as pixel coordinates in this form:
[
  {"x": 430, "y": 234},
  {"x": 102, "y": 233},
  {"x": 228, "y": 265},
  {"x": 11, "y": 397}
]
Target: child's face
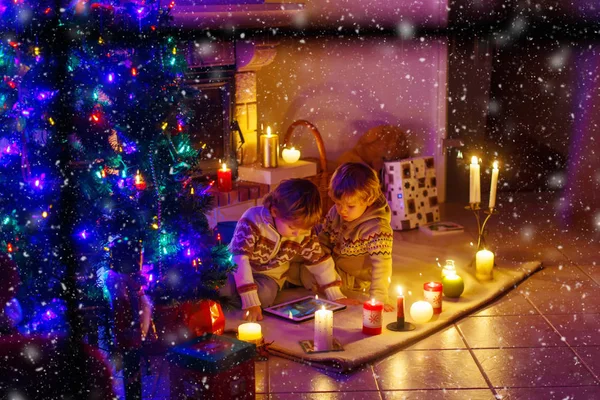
[
  {"x": 290, "y": 228},
  {"x": 351, "y": 208}
]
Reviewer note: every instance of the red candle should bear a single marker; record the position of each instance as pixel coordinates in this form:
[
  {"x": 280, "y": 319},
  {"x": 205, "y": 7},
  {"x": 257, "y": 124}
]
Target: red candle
[
  {"x": 400, "y": 309},
  {"x": 372, "y": 317},
  {"x": 224, "y": 179},
  {"x": 432, "y": 291}
]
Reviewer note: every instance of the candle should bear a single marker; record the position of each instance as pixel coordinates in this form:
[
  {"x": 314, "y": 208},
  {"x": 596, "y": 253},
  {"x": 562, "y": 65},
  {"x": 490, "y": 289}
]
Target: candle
[
  {"x": 224, "y": 179},
  {"x": 421, "y": 312},
  {"x": 250, "y": 331},
  {"x": 372, "y": 317},
  {"x": 290, "y": 155},
  {"x": 139, "y": 182},
  {"x": 323, "y": 329},
  {"x": 432, "y": 291},
  {"x": 453, "y": 285},
  {"x": 269, "y": 145},
  {"x": 484, "y": 264},
  {"x": 400, "y": 309},
  {"x": 474, "y": 186},
  {"x": 448, "y": 268},
  {"x": 494, "y": 185}
]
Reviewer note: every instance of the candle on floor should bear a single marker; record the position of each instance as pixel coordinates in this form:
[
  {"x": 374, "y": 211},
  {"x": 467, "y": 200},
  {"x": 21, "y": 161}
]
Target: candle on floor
[
  {"x": 323, "y": 330},
  {"x": 453, "y": 285},
  {"x": 372, "y": 317},
  {"x": 494, "y": 185},
  {"x": 269, "y": 146},
  {"x": 484, "y": 265},
  {"x": 400, "y": 309},
  {"x": 421, "y": 312},
  {"x": 291, "y": 155},
  {"x": 432, "y": 291},
  {"x": 224, "y": 179},
  {"x": 474, "y": 182},
  {"x": 250, "y": 331}
]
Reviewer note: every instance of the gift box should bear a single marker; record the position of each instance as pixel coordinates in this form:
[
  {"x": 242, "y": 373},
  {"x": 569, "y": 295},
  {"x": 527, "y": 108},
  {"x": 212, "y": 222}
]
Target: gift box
[
  {"x": 410, "y": 187},
  {"x": 212, "y": 367}
]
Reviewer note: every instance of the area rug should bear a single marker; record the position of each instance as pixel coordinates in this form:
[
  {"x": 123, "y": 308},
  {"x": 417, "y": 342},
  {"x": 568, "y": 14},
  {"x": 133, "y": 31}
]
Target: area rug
[{"x": 414, "y": 264}]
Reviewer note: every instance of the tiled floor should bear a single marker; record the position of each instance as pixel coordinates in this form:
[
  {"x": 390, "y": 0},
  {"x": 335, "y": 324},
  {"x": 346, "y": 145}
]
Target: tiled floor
[{"x": 540, "y": 341}]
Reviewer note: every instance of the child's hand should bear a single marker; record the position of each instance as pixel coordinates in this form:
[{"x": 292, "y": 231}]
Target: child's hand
[
  {"x": 348, "y": 301},
  {"x": 253, "y": 314},
  {"x": 388, "y": 307}
]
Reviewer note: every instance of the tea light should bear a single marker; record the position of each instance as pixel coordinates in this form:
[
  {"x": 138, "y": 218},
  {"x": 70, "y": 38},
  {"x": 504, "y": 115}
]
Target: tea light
[
  {"x": 224, "y": 179},
  {"x": 400, "y": 309},
  {"x": 432, "y": 291},
  {"x": 323, "y": 330},
  {"x": 474, "y": 183},
  {"x": 291, "y": 155},
  {"x": 269, "y": 145},
  {"x": 372, "y": 317},
  {"x": 453, "y": 285},
  {"x": 421, "y": 312},
  {"x": 139, "y": 182},
  {"x": 449, "y": 268},
  {"x": 484, "y": 264},
  {"x": 250, "y": 331}
]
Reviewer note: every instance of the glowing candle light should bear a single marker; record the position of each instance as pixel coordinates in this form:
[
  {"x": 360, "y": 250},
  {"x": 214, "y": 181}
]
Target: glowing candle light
[
  {"x": 323, "y": 329},
  {"x": 432, "y": 291},
  {"x": 224, "y": 179},
  {"x": 372, "y": 317},
  {"x": 421, "y": 312},
  {"x": 494, "y": 185},
  {"x": 250, "y": 331},
  {"x": 474, "y": 182},
  {"x": 269, "y": 145},
  {"x": 291, "y": 155},
  {"x": 484, "y": 265},
  {"x": 400, "y": 309}
]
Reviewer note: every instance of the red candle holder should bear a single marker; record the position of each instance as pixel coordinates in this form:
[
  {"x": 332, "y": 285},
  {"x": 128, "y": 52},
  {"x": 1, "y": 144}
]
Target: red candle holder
[
  {"x": 432, "y": 291},
  {"x": 372, "y": 317},
  {"x": 224, "y": 182}
]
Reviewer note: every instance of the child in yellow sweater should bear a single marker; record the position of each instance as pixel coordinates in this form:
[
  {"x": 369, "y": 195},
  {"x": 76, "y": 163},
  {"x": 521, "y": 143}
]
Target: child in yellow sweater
[
  {"x": 357, "y": 231},
  {"x": 268, "y": 237}
]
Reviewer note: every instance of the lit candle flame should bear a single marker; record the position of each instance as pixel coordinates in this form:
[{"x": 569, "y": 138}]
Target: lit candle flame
[
  {"x": 268, "y": 131},
  {"x": 316, "y": 297},
  {"x": 474, "y": 160},
  {"x": 495, "y": 164},
  {"x": 247, "y": 313},
  {"x": 372, "y": 302},
  {"x": 290, "y": 315},
  {"x": 138, "y": 177},
  {"x": 323, "y": 308},
  {"x": 224, "y": 167},
  {"x": 399, "y": 291}
]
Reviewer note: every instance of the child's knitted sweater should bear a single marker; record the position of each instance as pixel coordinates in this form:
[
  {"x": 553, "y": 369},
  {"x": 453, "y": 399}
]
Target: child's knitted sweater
[
  {"x": 258, "y": 248},
  {"x": 362, "y": 249}
]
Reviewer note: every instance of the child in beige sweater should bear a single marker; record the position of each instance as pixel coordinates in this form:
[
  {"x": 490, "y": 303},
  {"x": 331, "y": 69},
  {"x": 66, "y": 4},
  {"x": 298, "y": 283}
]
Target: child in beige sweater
[{"x": 357, "y": 231}]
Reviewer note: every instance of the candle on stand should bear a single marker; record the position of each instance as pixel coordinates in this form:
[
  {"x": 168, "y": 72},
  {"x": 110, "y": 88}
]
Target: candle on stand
[
  {"x": 400, "y": 309},
  {"x": 421, "y": 312},
  {"x": 494, "y": 185},
  {"x": 484, "y": 265},
  {"x": 474, "y": 182},
  {"x": 323, "y": 330},
  {"x": 432, "y": 291},
  {"x": 372, "y": 317},
  {"x": 249, "y": 332},
  {"x": 224, "y": 179},
  {"x": 269, "y": 146}
]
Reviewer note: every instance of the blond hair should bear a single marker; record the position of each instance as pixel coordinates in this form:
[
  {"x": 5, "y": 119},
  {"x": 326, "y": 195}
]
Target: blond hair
[
  {"x": 296, "y": 200},
  {"x": 355, "y": 180}
]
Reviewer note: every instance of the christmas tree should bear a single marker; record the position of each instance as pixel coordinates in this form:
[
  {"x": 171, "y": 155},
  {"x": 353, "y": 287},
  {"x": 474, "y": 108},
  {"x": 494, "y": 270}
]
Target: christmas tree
[{"x": 100, "y": 118}]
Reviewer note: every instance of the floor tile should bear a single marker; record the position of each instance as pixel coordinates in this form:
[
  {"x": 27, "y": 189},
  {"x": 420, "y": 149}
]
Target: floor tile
[
  {"x": 533, "y": 367},
  {"x": 509, "y": 331},
  {"x": 578, "y": 329},
  {"x": 327, "y": 396},
  {"x": 286, "y": 376},
  {"x": 261, "y": 376},
  {"x": 448, "y": 338},
  {"x": 429, "y": 369},
  {"x": 512, "y": 303},
  {"x": 592, "y": 271},
  {"x": 452, "y": 394},
  {"x": 551, "y": 393},
  {"x": 591, "y": 356}
]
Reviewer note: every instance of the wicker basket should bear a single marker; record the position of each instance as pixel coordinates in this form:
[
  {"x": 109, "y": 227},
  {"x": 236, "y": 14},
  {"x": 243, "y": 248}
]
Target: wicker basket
[{"x": 322, "y": 178}]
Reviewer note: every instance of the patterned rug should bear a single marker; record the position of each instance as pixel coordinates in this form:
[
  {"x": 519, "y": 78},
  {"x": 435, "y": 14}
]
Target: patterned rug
[{"x": 414, "y": 264}]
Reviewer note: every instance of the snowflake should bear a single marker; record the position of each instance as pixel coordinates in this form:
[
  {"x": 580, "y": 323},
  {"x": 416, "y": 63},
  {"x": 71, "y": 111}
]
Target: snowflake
[{"x": 374, "y": 318}]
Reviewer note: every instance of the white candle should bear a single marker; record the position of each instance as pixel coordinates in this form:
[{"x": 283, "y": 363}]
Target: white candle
[
  {"x": 290, "y": 155},
  {"x": 494, "y": 185},
  {"x": 421, "y": 312},
  {"x": 474, "y": 187},
  {"x": 484, "y": 264},
  {"x": 249, "y": 331},
  {"x": 323, "y": 330}
]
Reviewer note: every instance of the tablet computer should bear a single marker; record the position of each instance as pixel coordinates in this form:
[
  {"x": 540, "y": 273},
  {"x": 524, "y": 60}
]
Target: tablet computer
[{"x": 302, "y": 309}]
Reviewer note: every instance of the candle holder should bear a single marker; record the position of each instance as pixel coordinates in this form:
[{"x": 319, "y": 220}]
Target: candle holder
[
  {"x": 475, "y": 207},
  {"x": 396, "y": 327},
  {"x": 309, "y": 346}
]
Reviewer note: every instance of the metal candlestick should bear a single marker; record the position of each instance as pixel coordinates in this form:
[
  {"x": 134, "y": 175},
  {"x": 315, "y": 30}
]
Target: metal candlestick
[{"x": 475, "y": 207}]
